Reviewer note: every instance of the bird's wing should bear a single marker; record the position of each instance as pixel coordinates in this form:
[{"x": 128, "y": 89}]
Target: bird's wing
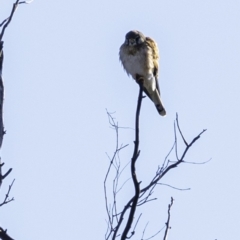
[
  {"x": 146, "y": 92},
  {"x": 155, "y": 57}
]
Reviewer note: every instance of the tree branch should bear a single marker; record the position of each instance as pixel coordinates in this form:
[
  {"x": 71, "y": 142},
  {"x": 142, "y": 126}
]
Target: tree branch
[
  {"x": 6, "y": 199},
  {"x": 4, "y": 235},
  {"x": 136, "y": 153},
  {"x": 6, "y": 22},
  {"x": 2, "y": 132},
  {"x": 168, "y": 220},
  {"x": 180, "y": 131}
]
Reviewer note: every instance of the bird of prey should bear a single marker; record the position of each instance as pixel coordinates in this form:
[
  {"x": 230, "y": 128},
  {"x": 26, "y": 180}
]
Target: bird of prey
[{"x": 139, "y": 56}]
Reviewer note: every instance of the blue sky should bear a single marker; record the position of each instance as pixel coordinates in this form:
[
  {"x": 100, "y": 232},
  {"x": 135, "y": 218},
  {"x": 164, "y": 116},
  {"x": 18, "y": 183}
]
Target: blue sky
[{"x": 61, "y": 71}]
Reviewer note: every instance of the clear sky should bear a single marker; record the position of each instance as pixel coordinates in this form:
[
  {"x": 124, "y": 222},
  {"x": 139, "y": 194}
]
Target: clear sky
[{"x": 61, "y": 72}]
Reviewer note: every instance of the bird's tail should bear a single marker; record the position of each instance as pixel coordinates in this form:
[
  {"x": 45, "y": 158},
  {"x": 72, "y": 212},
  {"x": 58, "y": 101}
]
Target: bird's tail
[
  {"x": 160, "y": 108},
  {"x": 159, "y": 104}
]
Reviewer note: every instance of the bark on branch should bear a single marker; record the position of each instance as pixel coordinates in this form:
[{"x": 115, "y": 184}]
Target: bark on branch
[{"x": 136, "y": 153}]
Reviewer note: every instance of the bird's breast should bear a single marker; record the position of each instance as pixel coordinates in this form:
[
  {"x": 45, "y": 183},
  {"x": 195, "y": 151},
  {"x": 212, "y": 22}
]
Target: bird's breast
[{"x": 137, "y": 63}]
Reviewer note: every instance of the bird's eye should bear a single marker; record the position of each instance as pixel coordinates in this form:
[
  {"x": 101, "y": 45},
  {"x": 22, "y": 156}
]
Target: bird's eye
[{"x": 138, "y": 40}]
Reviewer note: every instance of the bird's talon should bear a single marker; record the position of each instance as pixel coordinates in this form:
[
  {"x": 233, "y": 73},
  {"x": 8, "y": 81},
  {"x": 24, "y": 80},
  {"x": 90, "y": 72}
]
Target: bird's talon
[{"x": 139, "y": 79}]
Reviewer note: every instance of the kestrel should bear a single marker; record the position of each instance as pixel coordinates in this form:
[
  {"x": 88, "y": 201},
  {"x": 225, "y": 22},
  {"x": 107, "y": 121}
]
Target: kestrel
[{"x": 139, "y": 56}]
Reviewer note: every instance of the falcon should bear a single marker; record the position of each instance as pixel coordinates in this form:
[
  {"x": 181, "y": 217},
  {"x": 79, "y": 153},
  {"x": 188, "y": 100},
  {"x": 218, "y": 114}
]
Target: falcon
[{"x": 139, "y": 56}]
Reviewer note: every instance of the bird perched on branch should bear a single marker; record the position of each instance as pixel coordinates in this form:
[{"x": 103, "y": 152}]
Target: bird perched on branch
[{"x": 139, "y": 57}]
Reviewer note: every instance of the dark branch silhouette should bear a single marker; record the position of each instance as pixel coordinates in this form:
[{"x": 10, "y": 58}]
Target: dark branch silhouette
[
  {"x": 4, "y": 24},
  {"x": 135, "y": 156},
  {"x": 142, "y": 195},
  {"x": 2, "y": 132},
  {"x": 168, "y": 220},
  {"x": 7, "y": 199},
  {"x": 4, "y": 235}
]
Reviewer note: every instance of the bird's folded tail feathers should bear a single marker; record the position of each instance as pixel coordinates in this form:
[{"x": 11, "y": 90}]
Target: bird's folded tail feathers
[{"x": 161, "y": 110}]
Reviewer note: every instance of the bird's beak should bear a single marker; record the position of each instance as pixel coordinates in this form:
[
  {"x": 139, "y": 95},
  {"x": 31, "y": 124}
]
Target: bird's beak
[{"x": 132, "y": 42}]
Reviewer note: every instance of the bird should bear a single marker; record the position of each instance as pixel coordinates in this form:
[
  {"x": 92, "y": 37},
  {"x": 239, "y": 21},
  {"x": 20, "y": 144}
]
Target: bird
[{"x": 139, "y": 56}]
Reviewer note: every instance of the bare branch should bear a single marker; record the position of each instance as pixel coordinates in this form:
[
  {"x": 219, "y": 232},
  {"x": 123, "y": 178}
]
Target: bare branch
[
  {"x": 136, "y": 153},
  {"x": 25, "y": 2},
  {"x": 180, "y": 189},
  {"x": 7, "y": 200},
  {"x": 142, "y": 195},
  {"x": 123, "y": 185},
  {"x": 133, "y": 232},
  {"x": 9, "y": 19},
  {"x": 6, "y": 174},
  {"x": 145, "y": 201},
  {"x": 180, "y": 131},
  {"x": 2, "y": 132},
  {"x": 6, "y": 22},
  {"x": 198, "y": 163},
  {"x": 155, "y": 234},
  {"x": 175, "y": 136},
  {"x": 4, "y": 235},
  {"x": 168, "y": 220},
  {"x": 3, "y": 22},
  {"x": 163, "y": 165},
  {"x": 174, "y": 165},
  {"x": 144, "y": 230}
]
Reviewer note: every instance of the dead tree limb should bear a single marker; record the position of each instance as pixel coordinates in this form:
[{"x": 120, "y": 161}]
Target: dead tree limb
[
  {"x": 7, "y": 199},
  {"x": 168, "y": 220},
  {"x": 119, "y": 221},
  {"x": 4, "y": 24},
  {"x": 4, "y": 235},
  {"x": 135, "y": 156},
  {"x": 1, "y": 94}
]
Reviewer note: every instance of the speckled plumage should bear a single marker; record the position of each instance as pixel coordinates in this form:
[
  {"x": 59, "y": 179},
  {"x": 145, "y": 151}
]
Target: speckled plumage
[{"x": 139, "y": 57}]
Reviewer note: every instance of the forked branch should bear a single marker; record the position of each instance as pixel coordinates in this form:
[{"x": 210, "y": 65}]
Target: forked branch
[
  {"x": 118, "y": 220},
  {"x": 6, "y": 22},
  {"x": 4, "y": 235}
]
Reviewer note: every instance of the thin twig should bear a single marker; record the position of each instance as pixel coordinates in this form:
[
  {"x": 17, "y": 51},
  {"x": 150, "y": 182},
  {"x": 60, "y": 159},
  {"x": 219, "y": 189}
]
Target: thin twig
[
  {"x": 133, "y": 232},
  {"x": 198, "y": 162},
  {"x": 175, "y": 136},
  {"x": 9, "y": 19},
  {"x": 165, "y": 159},
  {"x": 174, "y": 165},
  {"x": 113, "y": 215},
  {"x": 180, "y": 189},
  {"x": 144, "y": 230},
  {"x": 6, "y": 22},
  {"x": 154, "y": 235},
  {"x": 7, "y": 200},
  {"x": 119, "y": 189},
  {"x": 180, "y": 131},
  {"x": 168, "y": 220},
  {"x": 25, "y": 2},
  {"x": 146, "y": 201}
]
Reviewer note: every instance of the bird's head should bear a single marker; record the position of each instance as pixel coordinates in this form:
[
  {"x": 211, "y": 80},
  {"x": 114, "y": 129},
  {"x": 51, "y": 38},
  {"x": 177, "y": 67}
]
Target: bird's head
[{"x": 134, "y": 38}]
